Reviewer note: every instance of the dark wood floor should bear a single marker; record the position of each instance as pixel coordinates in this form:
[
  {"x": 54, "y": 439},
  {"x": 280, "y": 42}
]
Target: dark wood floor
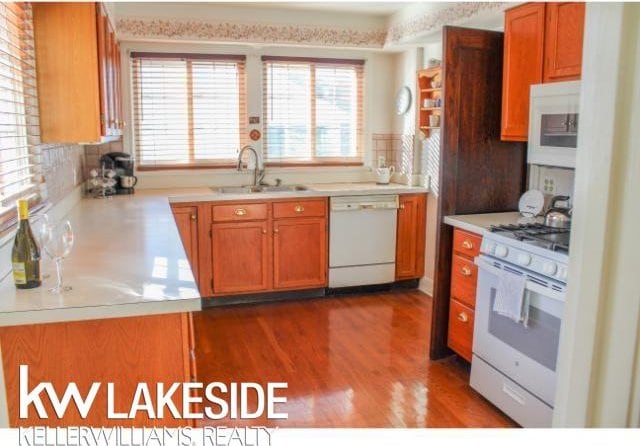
[{"x": 350, "y": 361}]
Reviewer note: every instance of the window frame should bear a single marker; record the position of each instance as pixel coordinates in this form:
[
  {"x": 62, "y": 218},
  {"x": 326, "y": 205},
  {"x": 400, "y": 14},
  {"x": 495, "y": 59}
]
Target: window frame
[
  {"x": 189, "y": 58},
  {"x": 25, "y": 110},
  {"x": 313, "y": 62}
]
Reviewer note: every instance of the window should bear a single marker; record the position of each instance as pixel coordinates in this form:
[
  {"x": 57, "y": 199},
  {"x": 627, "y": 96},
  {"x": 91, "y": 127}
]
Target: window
[
  {"x": 20, "y": 171},
  {"x": 189, "y": 109},
  {"x": 312, "y": 110}
]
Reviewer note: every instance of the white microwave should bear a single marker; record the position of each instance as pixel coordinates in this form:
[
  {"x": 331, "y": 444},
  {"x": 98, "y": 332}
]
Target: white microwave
[{"x": 553, "y": 124}]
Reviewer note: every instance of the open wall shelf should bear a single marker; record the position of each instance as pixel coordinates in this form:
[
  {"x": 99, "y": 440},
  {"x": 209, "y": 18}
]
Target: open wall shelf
[{"x": 429, "y": 99}]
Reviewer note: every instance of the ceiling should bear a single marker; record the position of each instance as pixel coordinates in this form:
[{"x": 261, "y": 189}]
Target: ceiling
[{"x": 365, "y": 8}]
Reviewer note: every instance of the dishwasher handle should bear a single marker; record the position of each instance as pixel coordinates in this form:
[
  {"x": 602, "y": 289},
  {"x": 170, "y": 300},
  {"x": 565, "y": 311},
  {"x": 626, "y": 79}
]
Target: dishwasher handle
[
  {"x": 364, "y": 206},
  {"x": 364, "y": 203}
]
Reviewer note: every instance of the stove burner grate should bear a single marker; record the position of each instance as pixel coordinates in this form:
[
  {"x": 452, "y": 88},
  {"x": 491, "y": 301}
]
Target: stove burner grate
[{"x": 555, "y": 239}]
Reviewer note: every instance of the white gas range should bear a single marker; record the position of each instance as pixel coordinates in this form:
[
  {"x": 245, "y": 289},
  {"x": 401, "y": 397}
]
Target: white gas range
[{"x": 514, "y": 362}]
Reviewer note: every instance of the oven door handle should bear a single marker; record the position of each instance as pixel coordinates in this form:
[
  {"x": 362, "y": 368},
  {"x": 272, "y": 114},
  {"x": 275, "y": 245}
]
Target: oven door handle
[{"x": 531, "y": 286}]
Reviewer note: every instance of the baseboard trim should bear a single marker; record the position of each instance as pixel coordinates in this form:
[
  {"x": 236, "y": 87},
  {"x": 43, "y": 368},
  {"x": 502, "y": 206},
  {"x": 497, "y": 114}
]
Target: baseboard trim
[{"x": 426, "y": 286}]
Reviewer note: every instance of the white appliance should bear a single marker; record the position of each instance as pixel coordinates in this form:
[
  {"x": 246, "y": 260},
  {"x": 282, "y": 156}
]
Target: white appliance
[
  {"x": 513, "y": 364},
  {"x": 553, "y": 124},
  {"x": 362, "y": 240}
]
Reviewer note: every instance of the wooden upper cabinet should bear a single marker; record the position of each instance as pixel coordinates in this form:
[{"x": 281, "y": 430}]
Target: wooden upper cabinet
[
  {"x": 564, "y": 31},
  {"x": 78, "y": 76},
  {"x": 300, "y": 253},
  {"x": 411, "y": 235},
  {"x": 241, "y": 257},
  {"x": 187, "y": 222},
  {"x": 542, "y": 43},
  {"x": 523, "y": 59}
]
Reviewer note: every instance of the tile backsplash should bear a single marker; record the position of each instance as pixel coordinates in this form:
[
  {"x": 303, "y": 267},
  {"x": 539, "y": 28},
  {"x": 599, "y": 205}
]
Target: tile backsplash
[
  {"x": 62, "y": 169},
  {"x": 94, "y": 152},
  {"x": 398, "y": 151}
]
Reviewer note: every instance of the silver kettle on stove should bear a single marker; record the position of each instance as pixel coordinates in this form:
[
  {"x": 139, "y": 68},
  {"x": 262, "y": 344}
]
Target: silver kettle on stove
[{"x": 558, "y": 217}]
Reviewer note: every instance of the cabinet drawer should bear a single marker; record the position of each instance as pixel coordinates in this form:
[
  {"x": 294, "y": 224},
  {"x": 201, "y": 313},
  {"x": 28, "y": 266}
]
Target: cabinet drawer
[
  {"x": 466, "y": 243},
  {"x": 239, "y": 212},
  {"x": 302, "y": 208},
  {"x": 460, "y": 337},
  {"x": 464, "y": 276}
]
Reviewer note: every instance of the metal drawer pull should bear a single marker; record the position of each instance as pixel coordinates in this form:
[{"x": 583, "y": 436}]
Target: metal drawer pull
[
  {"x": 240, "y": 211},
  {"x": 467, "y": 244},
  {"x": 463, "y": 317},
  {"x": 466, "y": 271},
  {"x": 298, "y": 208},
  {"x": 513, "y": 394}
]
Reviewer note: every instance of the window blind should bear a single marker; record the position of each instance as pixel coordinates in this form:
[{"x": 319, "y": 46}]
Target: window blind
[
  {"x": 189, "y": 110},
  {"x": 20, "y": 171},
  {"x": 313, "y": 110}
]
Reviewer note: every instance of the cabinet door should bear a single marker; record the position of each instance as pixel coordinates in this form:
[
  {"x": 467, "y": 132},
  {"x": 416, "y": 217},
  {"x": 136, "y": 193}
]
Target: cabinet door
[
  {"x": 118, "y": 93},
  {"x": 187, "y": 221},
  {"x": 111, "y": 87},
  {"x": 564, "y": 31},
  {"x": 411, "y": 234},
  {"x": 103, "y": 67},
  {"x": 125, "y": 351},
  {"x": 460, "y": 335},
  {"x": 240, "y": 257},
  {"x": 523, "y": 61},
  {"x": 300, "y": 253}
]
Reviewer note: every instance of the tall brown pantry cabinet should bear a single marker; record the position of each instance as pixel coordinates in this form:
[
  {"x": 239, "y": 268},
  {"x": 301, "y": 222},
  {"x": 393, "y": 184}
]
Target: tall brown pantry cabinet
[{"x": 479, "y": 173}]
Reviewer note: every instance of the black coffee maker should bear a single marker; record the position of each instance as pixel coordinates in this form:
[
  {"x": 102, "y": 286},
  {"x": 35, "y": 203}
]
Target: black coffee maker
[{"x": 123, "y": 165}]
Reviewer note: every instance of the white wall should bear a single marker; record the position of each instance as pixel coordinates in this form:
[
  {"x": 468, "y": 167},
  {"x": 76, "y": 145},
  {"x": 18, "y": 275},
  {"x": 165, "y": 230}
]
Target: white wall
[
  {"x": 378, "y": 107},
  {"x": 599, "y": 357}
]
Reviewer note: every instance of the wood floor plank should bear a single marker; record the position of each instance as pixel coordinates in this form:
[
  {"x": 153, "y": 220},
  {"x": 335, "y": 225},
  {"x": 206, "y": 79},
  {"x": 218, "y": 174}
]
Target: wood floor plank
[{"x": 350, "y": 361}]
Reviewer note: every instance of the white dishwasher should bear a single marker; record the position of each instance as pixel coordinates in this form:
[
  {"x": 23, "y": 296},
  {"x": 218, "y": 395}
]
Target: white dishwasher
[{"x": 362, "y": 240}]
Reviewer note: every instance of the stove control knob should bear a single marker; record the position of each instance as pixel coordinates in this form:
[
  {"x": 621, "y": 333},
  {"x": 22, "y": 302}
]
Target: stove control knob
[
  {"x": 562, "y": 273},
  {"x": 524, "y": 259},
  {"x": 549, "y": 268},
  {"x": 501, "y": 251}
]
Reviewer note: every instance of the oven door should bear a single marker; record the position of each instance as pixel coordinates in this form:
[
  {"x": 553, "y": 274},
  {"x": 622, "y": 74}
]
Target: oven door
[
  {"x": 527, "y": 355},
  {"x": 553, "y": 124}
]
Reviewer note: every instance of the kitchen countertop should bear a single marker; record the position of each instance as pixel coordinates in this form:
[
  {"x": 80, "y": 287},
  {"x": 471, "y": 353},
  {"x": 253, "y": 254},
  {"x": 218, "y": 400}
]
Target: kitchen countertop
[
  {"x": 193, "y": 195},
  {"x": 478, "y": 223},
  {"x": 127, "y": 260}
]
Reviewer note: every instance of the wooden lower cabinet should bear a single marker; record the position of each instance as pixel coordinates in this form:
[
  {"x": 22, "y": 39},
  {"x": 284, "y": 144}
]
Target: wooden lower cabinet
[
  {"x": 187, "y": 222},
  {"x": 241, "y": 257},
  {"x": 410, "y": 236},
  {"x": 124, "y": 351},
  {"x": 461, "y": 319},
  {"x": 300, "y": 253},
  {"x": 282, "y": 247},
  {"x": 464, "y": 278}
]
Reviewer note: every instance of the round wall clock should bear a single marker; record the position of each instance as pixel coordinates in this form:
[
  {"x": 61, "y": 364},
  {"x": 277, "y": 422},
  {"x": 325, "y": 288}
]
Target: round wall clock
[{"x": 403, "y": 100}]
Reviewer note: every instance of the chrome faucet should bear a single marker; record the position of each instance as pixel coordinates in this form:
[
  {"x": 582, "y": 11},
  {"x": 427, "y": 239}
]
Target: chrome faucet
[{"x": 258, "y": 174}]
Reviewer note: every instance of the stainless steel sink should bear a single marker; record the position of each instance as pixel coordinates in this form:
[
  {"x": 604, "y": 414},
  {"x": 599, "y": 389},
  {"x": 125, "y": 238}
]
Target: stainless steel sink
[{"x": 258, "y": 189}]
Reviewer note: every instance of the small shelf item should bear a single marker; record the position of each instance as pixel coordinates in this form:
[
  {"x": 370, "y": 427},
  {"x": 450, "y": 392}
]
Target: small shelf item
[{"x": 430, "y": 99}]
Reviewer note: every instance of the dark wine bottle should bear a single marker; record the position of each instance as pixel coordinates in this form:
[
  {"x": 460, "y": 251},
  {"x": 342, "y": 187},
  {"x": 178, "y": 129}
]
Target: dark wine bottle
[{"x": 25, "y": 255}]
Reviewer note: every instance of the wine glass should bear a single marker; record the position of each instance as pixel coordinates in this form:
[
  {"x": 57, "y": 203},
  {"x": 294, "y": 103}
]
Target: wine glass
[
  {"x": 41, "y": 229},
  {"x": 57, "y": 243}
]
